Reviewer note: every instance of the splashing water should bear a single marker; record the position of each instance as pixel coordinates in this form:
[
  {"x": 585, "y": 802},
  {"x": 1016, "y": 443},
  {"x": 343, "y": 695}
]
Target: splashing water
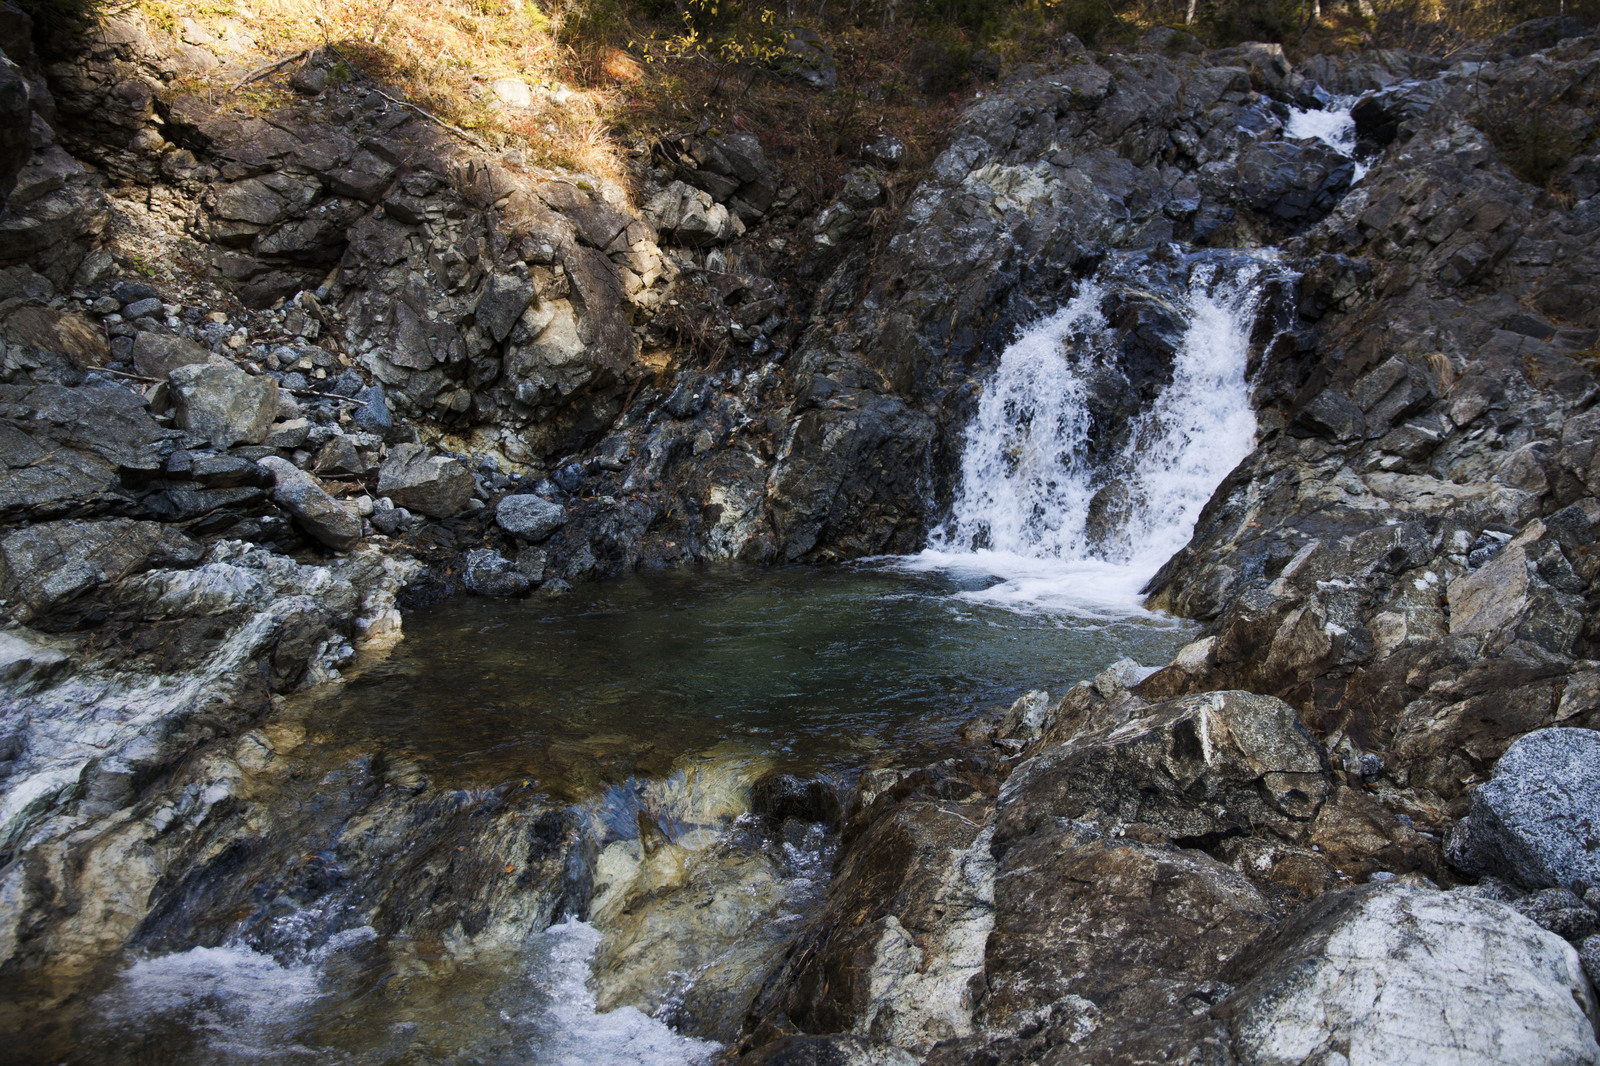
[
  {"x": 574, "y": 1033},
  {"x": 1334, "y": 126},
  {"x": 1024, "y": 508}
]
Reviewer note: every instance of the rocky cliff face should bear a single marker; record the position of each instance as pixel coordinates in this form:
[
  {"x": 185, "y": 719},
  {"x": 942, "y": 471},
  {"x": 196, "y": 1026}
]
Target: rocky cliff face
[{"x": 368, "y": 363}]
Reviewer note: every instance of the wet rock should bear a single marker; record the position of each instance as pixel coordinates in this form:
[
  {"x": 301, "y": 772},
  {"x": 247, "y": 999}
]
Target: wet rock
[
  {"x": 223, "y": 404},
  {"x": 898, "y": 947},
  {"x": 1531, "y": 823},
  {"x": 434, "y": 485},
  {"x": 776, "y": 798},
  {"x": 1026, "y": 718},
  {"x": 1372, "y": 969},
  {"x": 1195, "y": 768},
  {"x": 44, "y": 567},
  {"x": 323, "y": 518},
  {"x": 155, "y": 355},
  {"x": 529, "y": 517},
  {"x": 488, "y": 573}
]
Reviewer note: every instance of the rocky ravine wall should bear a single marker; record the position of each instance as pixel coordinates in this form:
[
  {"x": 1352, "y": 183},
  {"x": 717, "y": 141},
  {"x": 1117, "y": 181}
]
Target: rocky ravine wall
[{"x": 1095, "y": 897}]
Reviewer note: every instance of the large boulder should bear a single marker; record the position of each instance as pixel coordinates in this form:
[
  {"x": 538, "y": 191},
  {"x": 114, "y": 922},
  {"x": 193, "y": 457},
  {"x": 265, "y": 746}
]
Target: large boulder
[
  {"x": 1535, "y": 822},
  {"x": 223, "y": 404},
  {"x": 434, "y": 485},
  {"x": 1194, "y": 768},
  {"x": 529, "y": 517},
  {"x": 322, "y": 517},
  {"x": 1396, "y": 974}
]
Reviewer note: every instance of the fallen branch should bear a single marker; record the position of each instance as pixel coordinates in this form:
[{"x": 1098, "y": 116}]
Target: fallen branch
[
  {"x": 261, "y": 72},
  {"x": 431, "y": 117},
  {"x": 312, "y": 393}
]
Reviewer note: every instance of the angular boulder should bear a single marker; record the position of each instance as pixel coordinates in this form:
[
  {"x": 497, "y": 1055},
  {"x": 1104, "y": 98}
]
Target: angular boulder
[
  {"x": 1397, "y": 974},
  {"x": 322, "y": 517},
  {"x": 1537, "y": 821},
  {"x": 223, "y": 403},
  {"x": 155, "y": 355},
  {"x": 529, "y": 517},
  {"x": 488, "y": 573},
  {"x": 434, "y": 485}
]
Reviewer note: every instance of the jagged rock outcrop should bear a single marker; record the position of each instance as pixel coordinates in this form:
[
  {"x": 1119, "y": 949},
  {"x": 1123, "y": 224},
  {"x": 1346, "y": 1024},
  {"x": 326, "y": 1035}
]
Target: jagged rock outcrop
[{"x": 1405, "y": 557}]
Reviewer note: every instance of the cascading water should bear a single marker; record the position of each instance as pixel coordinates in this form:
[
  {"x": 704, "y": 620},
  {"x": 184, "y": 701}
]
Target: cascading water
[
  {"x": 1066, "y": 524},
  {"x": 1334, "y": 126}
]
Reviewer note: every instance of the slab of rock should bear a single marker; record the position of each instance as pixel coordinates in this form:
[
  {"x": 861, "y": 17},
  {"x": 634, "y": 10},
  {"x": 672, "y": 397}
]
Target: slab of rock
[
  {"x": 435, "y": 485},
  {"x": 43, "y": 567},
  {"x": 223, "y": 403},
  {"x": 1396, "y": 974},
  {"x": 1215, "y": 763},
  {"x": 155, "y": 355},
  {"x": 71, "y": 336},
  {"x": 322, "y": 517},
  {"x": 529, "y": 517},
  {"x": 1537, "y": 821}
]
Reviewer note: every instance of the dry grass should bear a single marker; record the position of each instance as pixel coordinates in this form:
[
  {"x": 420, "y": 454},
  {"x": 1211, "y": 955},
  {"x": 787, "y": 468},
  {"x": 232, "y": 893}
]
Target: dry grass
[{"x": 443, "y": 54}]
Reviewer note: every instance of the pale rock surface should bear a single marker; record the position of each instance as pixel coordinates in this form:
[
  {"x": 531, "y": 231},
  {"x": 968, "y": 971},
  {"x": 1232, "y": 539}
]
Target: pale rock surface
[{"x": 1412, "y": 977}]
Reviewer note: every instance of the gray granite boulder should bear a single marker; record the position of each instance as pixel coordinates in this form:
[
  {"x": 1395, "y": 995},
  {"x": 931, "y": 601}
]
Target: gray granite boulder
[
  {"x": 1537, "y": 821},
  {"x": 529, "y": 517},
  {"x": 223, "y": 403}
]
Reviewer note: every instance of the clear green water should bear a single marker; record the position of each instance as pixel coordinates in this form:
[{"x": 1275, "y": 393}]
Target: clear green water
[{"x": 816, "y": 669}]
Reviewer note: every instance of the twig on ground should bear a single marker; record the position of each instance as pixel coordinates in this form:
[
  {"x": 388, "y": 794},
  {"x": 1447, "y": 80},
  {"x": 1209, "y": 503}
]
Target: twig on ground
[{"x": 261, "y": 72}]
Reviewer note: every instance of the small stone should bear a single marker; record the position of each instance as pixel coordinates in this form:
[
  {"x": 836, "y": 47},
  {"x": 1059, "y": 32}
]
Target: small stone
[{"x": 141, "y": 308}]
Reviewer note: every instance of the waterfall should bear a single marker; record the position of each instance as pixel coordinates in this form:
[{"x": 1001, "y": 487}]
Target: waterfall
[
  {"x": 1334, "y": 126},
  {"x": 1068, "y": 511}
]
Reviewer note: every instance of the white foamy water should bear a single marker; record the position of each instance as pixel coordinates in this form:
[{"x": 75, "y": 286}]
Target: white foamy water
[
  {"x": 1333, "y": 126},
  {"x": 1021, "y": 512},
  {"x": 573, "y": 1033},
  {"x": 240, "y": 1003}
]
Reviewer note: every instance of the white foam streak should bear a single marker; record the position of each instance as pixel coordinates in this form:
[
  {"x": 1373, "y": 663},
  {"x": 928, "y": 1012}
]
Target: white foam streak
[
  {"x": 573, "y": 1033},
  {"x": 244, "y": 1001}
]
